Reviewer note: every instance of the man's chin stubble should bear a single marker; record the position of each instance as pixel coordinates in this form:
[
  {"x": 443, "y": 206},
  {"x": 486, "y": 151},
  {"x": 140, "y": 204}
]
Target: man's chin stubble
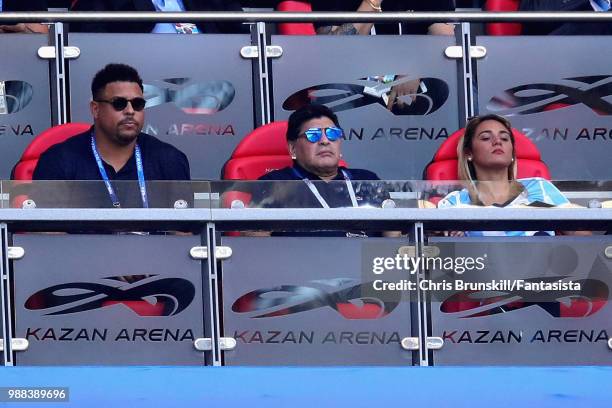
[{"x": 125, "y": 140}]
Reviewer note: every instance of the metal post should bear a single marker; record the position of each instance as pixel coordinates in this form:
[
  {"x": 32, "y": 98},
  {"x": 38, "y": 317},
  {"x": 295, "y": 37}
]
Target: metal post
[
  {"x": 59, "y": 87},
  {"x": 5, "y": 297},
  {"x": 213, "y": 295},
  {"x": 468, "y": 79},
  {"x": 423, "y": 312},
  {"x": 265, "y": 115}
]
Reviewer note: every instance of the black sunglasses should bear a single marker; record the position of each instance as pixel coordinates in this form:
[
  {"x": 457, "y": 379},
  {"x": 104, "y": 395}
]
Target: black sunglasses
[{"x": 120, "y": 103}]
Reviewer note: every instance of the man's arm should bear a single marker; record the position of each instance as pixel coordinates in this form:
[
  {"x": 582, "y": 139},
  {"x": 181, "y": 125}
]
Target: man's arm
[
  {"x": 182, "y": 170},
  {"x": 441, "y": 29},
  {"x": 177, "y": 176},
  {"x": 55, "y": 192},
  {"x": 23, "y": 5},
  {"x": 50, "y": 167},
  {"x": 25, "y": 28}
]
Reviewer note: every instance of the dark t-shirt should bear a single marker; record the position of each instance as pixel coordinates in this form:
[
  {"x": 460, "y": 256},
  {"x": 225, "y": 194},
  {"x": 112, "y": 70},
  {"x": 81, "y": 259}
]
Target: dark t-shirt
[
  {"x": 387, "y": 5},
  {"x": 74, "y": 160},
  {"x": 294, "y": 193},
  {"x": 24, "y": 5},
  {"x": 552, "y": 28}
]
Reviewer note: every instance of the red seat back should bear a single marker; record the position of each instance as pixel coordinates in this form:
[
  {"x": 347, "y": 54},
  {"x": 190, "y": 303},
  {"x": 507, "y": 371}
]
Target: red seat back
[
  {"x": 260, "y": 152},
  {"x": 444, "y": 163},
  {"x": 295, "y": 28},
  {"x": 503, "y": 28},
  {"x": 24, "y": 169}
]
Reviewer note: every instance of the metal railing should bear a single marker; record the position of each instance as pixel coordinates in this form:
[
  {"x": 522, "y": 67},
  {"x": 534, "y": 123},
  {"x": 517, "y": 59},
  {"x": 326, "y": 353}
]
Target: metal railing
[
  {"x": 288, "y": 17},
  {"x": 336, "y": 218}
]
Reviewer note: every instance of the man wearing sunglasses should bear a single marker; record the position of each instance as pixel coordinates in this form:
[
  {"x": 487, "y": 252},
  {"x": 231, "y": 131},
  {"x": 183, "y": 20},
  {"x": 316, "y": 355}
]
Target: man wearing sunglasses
[
  {"x": 317, "y": 178},
  {"x": 114, "y": 149}
]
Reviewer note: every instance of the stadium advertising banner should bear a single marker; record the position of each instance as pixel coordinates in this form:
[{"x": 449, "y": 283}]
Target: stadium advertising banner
[
  {"x": 559, "y": 98},
  {"x": 303, "y": 301},
  {"x": 395, "y": 96},
  {"x": 25, "y": 108},
  {"x": 108, "y": 300},
  {"x": 522, "y": 301},
  {"x": 198, "y": 89}
]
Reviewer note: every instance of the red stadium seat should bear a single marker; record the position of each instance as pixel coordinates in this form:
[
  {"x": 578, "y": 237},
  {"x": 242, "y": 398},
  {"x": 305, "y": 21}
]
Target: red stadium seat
[
  {"x": 24, "y": 169},
  {"x": 503, "y": 28},
  {"x": 444, "y": 163},
  {"x": 260, "y": 152},
  {"x": 295, "y": 28}
]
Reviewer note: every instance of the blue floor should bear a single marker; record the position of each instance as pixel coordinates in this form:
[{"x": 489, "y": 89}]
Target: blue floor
[{"x": 185, "y": 387}]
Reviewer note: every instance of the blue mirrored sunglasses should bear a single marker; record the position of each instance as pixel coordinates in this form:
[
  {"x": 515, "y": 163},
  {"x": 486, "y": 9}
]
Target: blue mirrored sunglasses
[{"x": 313, "y": 135}]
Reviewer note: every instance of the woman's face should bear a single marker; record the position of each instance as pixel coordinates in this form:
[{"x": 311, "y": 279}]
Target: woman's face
[
  {"x": 320, "y": 158},
  {"x": 491, "y": 147}
]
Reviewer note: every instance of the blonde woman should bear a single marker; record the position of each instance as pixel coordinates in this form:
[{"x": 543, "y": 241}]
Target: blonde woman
[{"x": 487, "y": 163}]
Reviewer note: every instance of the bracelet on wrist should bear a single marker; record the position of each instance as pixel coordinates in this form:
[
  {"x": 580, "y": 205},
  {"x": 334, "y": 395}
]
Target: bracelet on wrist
[{"x": 374, "y": 6}]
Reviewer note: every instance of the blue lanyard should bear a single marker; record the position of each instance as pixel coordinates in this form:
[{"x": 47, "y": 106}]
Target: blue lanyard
[
  {"x": 109, "y": 187},
  {"x": 318, "y": 195}
]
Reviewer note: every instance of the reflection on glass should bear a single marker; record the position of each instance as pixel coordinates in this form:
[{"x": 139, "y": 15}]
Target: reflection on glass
[
  {"x": 93, "y": 194},
  {"x": 14, "y": 96},
  {"x": 402, "y": 94},
  {"x": 201, "y": 98}
]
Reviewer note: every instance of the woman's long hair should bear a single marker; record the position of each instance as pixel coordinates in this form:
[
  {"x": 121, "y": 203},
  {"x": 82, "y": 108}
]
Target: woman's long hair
[{"x": 466, "y": 169}]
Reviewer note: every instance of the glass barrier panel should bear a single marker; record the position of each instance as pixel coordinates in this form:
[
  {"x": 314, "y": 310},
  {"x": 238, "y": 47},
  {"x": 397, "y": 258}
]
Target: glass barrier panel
[
  {"x": 558, "y": 100},
  {"x": 98, "y": 194},
  {"x": 25, "y": 95},
  {"x": 315, "y": 301},
  {"x": 372, "y": 194},
  {"x": 203, "y": 109},
  {"x": 396, "y": 97},
  {"x": 519, "y": 300},
  {"x": 109, "y": 299}
]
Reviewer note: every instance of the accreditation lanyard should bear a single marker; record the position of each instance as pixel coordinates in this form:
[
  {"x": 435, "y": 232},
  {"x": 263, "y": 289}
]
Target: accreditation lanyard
[
  {"x": 109, "y": 187},
  {"x": 318, "y": 195}
]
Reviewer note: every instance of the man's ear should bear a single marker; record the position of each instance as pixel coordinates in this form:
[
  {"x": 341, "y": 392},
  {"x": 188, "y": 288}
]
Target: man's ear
[
  {"x": 94, "y": 109},
  {"x": 291, "y": 146}
]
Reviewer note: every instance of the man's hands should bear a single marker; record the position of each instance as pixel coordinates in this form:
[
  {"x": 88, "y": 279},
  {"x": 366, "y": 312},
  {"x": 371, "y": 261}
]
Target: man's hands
[
  {"x": 25, "y": 28},
  {"x": 399, "y": 93}
]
